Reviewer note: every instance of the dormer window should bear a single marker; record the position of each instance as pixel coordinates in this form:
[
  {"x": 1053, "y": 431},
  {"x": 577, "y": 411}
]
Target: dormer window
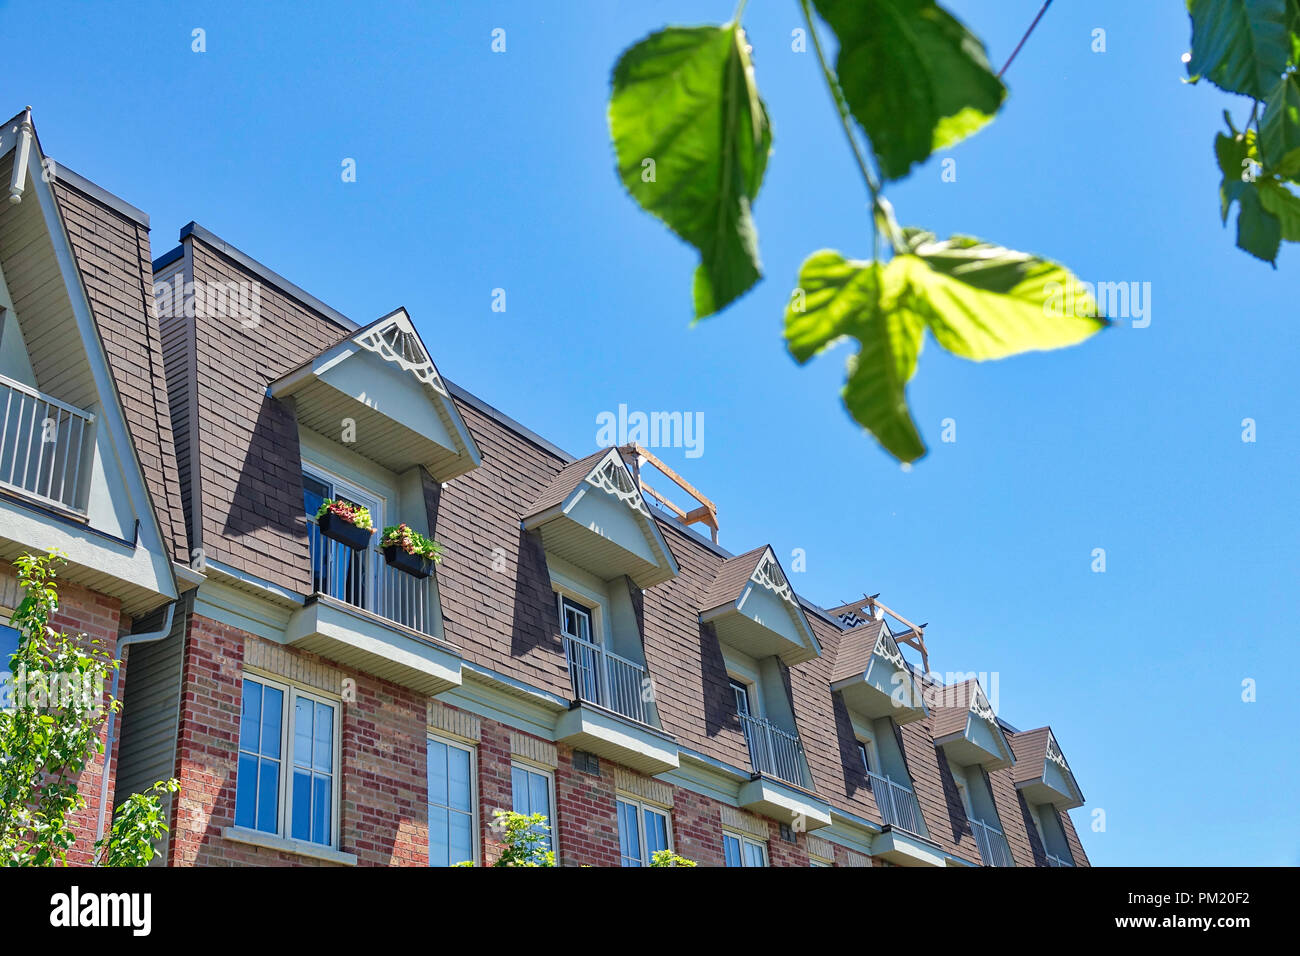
[{"x": 754, "y": 610}]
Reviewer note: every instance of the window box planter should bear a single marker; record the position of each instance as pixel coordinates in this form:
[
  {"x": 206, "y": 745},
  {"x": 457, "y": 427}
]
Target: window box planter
[
  {"x": 344, "y": 532},
  {"x": 413, "y": 564}
]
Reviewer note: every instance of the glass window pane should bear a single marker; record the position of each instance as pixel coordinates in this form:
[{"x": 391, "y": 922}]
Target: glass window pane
[
  {"x": 246, "y": 792},
  {"x": 321, "y": 807},
  {"x": 731, "y": 850},
  {"x": 459, "y": 784},
  {"x": 629, "y": 837},
  {"x": 438, "y": 782},
  {"x": 314, "y": 491},
  {"x": 519, "y": 790},
  {"x": 323, "y": 734},
  {"x": 300, "y": 801},
  {"x": 539, "y": 795},
  {"x": 439, "y": 848},
  {"x": 302, "y": 713},
  {"x": 251, "y": 721},
  {"x": 461, "y": 838},
  {"x": 754, "y": 855},
  {"x": 272, "y": 711},
  {"x": 268, "y": 796},
  {"x": 656, "y": 832}
]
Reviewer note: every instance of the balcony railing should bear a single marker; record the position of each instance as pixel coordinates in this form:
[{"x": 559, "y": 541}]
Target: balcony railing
[
  {"x": 773, "y": 751},
  {"x": 898, "y": 805},
  {"x": 993, "y": 845},
  {"x": 42, "y": 445},
  {"x": 603, "y": 678},
  {"x": 1057, "y": 861},
  {"x": 362, "y": 578}
]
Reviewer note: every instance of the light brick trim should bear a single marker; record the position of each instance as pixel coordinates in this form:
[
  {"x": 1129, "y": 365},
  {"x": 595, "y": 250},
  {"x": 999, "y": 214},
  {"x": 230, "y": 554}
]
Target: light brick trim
[
  {"x": 647, "y": 788},
  {"x": 820, "y": 847},
  {"x": 744, "y": 822},
  {"x": 857, "y": 859},
  {"x": 281, "y": 662},
  {"x": 458, "y": 723},
  {"x": 11, "y": 595},
  {"x": 530, "y": 748}
]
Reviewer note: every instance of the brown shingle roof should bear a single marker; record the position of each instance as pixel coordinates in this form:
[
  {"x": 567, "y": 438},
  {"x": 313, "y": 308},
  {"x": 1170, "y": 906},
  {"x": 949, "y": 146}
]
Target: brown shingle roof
[
  {"x": 1030, "y": 748},
  {"x": 113, "y": 257},
  {"x": 730, "y": 579},
  {"x": 563, "y": 483},
  {"x": 855, "y": 650}
]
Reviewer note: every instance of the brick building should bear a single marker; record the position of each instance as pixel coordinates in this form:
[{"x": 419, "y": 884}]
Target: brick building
[{"x": 580, "y": 651}]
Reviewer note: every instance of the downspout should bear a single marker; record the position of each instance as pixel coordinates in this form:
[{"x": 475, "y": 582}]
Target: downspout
[{"x": 146, "y": 637}]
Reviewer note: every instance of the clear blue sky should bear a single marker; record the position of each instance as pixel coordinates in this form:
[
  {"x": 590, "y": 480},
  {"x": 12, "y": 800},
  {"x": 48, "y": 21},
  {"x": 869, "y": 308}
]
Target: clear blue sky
[{"x": 479, "y": 170}]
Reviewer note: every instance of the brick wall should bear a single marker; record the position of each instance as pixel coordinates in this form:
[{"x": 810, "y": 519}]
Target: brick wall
[{"x": 383, "y": 798}]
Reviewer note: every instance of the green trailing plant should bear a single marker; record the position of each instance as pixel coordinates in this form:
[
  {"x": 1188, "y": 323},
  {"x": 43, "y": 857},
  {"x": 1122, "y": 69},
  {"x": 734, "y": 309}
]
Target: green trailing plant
[
  {"x": 357, "y": 515},
  {"x": 524, "y": 840},
  {"x": 669, "y": 858},
  {"x": 50, "y": 731},
  {"x": 412, "y": 542},
  {"x": 1252, "y": 48},
  {"x": 692, "y": 137}
]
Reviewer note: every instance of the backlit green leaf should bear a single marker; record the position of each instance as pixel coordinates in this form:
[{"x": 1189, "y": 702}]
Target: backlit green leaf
[
  {"x": 692, "y": 141},
  {"x": 1279, "y": 129},
  {"x": 1284, "y": 205},
  {"x": 862, "y": 300},
  {"x": 982, "y": 301},
  {"x": 914, "y": 77},
  {"x": 1241, "y": 46}
]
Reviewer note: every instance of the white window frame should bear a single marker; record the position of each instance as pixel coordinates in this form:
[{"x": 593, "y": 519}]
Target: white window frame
[
  {"x": 873, "y": 762},
  {"x": 473, "y": 786},
  {"x": 549, "y": 773},
  {"x": 642, "y": 806},
  {"x": 745, "y": 840},
  {"x": 288, "y": 717}
]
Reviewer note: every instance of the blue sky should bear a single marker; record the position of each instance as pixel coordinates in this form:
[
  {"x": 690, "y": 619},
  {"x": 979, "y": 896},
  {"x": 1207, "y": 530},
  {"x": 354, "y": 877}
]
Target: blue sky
[{"x": 478, "y": 171}]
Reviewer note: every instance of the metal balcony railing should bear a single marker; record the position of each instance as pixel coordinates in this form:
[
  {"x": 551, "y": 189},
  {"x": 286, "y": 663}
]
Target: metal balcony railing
[
  {"x": 361, "y": 577},
  {"x": 43, "y": 445},
  {"x": 1057, "y": 861},
  {"x": 604, "y": 678},
  {"x": 898, "y": 804},
  {"x": 993, "y": 845},
  {"x": 773, "y": 751}
]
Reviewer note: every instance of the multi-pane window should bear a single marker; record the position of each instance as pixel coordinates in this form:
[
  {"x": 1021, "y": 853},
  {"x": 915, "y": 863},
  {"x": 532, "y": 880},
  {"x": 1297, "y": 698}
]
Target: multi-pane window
[
  {"x": 642, "y": 832},
  {"x": 865, "y": 756},
  {"x": 297, "y": 799},
  {"x": 742, "y": 851},
  {"x": 741, "y": 693},
  {"x": 531, "y": 793},
  {"x": 451, "y": 803},
  {"x": 584, "y": 661}
]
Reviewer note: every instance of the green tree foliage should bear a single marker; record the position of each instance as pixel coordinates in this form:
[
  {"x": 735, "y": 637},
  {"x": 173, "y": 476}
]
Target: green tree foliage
[
  {"x": 51, "y": 731},
  {"x": 1252, "y": 48},
  {"x": 692, "y": 137},
  {"x": 523, "y": 838}
]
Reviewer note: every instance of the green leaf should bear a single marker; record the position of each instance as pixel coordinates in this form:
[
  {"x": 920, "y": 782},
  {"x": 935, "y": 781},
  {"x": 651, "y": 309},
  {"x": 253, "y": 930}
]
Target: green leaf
[
  {"x": 982, "y": 301},
  {"x": 1282, "y": 204},
  {"x": 692, "y": 140},
  {"x": 914, "y": 77},
  {"x": 1241, "y": 46},
  {"x": 1279, "y": 129},
  {"x": 1258, "y": 231},
  {"x": 862, "y": 300}
]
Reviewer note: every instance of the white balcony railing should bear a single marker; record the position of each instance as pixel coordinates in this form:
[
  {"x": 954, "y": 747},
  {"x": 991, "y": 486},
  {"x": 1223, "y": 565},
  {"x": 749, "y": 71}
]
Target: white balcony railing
[
  {"x": 1057, "y": 861},
  {"x": 773, "y": 751},
  {"x": 361, "y": 577},
  {"x": 43, "y": 445},
  {"x": 993, "y": 845},
  {"x": 898, "y": 805},
  {"x": 604, "y": 678}
]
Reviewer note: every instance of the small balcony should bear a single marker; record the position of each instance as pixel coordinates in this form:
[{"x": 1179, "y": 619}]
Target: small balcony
[
  {"x": 774, "y": 752},
  {"x": 361, "y": 578},
  {"x": 611, "y": 715},
  {"x": 603, "y": 678},
  {"x": 43, "y": 446},
  {"x": 898, "y": 805},
  {"x": 992, "y": 844},
  {"x": 373, "y": 617},
  {"x": 780, "y": 788}
]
